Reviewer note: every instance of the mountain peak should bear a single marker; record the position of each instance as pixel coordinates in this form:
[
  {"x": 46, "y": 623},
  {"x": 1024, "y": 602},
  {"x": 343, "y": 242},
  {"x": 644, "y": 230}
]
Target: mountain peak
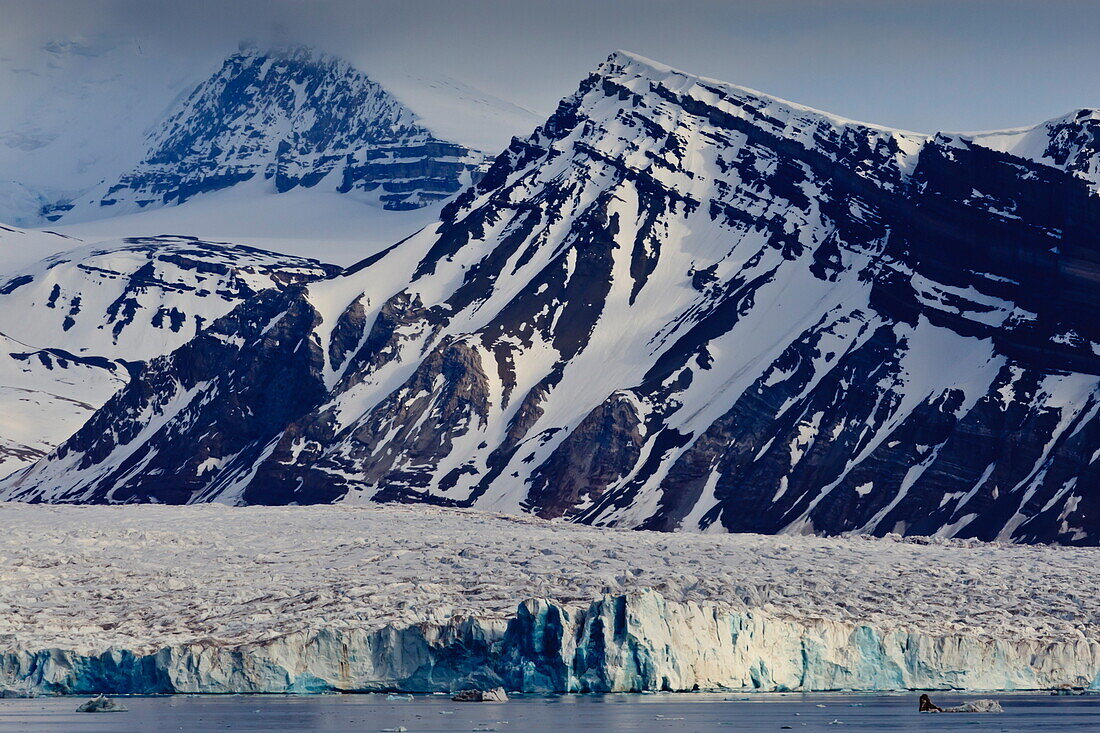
[
  {"x": 295, "y": 117},
  {"x": 622, "y": 64},
  {"x": 621, "y": 60},
  {"x": 299, "y": 52}
]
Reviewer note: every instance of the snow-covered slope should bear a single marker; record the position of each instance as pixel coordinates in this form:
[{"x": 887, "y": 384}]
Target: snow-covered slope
[
  {"x": 45, "y": 395},
  {"x": 292, "y": 117},
  {"x": 21, "y": 248},
  {"x": 290, "y": 599},
  {"x": 457, "y": 111},
  {"x": 679, "y": 304},
  {"x": 321, "y": 225},
  {"x": 1070, "y": 142},
  {"x": 75, "y": 325}
]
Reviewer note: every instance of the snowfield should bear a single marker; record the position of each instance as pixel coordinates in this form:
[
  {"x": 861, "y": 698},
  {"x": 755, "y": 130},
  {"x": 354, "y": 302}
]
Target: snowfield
[{"x": 143, "y": 577}]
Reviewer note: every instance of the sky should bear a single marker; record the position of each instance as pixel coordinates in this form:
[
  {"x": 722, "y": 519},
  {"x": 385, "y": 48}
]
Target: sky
[{"x": 923, "y": 65}]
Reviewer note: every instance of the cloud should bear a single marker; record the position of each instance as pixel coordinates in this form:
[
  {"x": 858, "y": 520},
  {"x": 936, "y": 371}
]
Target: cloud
[{"x": 921, "y": 64}]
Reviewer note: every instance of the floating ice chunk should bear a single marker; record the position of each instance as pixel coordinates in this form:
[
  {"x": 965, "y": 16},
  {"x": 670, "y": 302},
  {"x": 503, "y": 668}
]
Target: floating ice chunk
[
  {"x": 101, "y": 704},
  {"x": 977, "y": 706},
  {"x": 497, "y": 694}
]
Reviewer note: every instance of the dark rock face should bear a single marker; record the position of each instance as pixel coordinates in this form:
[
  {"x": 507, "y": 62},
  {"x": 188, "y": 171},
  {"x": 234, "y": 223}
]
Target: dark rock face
[
  {"x": 255, "y": 403},
  {"x": 292, "y": 117},
  {"x": 679, "y": 305}
]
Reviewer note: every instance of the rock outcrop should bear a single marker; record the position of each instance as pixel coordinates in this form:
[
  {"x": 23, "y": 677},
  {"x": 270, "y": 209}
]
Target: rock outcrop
[
  {"x": 102, "y": 704},
  {"x": 497, "y": 694}
]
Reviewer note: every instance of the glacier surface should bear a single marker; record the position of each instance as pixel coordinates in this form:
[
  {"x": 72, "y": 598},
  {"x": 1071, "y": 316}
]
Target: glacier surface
[{"x": 219, "y": 599}]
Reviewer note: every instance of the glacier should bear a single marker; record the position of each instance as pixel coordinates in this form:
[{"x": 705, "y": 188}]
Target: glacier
[
  {"x": 618, "y": 643},
  {"x": 217, "y": 599}
]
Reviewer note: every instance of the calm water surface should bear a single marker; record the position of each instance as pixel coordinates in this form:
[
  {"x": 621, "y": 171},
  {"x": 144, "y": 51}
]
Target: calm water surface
[{"x": 683, "y": 713}]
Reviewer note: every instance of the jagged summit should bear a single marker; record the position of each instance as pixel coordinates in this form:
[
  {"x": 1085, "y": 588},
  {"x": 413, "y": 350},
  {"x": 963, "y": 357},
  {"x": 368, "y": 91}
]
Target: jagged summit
[
  {"x": 290, "y": 116},
  {"x": 1070, "y": 142},
  {"x": 622, "y": 63}
]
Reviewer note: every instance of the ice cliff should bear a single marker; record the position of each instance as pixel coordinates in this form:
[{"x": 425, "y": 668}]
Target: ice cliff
[{"x": 619, "y": 643}]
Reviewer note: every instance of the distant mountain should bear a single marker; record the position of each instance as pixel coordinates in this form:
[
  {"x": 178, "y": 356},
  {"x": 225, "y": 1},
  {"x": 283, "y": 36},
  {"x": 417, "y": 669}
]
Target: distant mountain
[
  {"x": 74, "y": 327},
  {"x": 291, "y": 117},
  {"x": 20, "y": 204},
  {"x": 679, "y": 304}
]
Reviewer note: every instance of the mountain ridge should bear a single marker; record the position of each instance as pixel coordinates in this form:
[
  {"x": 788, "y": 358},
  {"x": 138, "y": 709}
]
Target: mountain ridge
[{"x": 677, "y": 305}]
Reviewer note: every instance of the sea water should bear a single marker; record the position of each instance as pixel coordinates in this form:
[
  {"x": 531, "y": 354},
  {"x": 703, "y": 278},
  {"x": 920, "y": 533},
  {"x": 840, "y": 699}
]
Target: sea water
[{"x": 683, "y": 713}]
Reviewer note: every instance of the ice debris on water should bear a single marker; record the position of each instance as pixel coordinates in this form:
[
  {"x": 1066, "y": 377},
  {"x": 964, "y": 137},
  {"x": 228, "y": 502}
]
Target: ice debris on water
[
  {"x": 497, "y": 694},
  {"x": 974, "y": 706},
  {"x": 977, "y": 706},
  {"x": 101, "y": 704}
]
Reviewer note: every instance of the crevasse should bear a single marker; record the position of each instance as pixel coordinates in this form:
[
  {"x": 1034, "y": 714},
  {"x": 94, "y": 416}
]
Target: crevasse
[{"x": 618, "y": 643}]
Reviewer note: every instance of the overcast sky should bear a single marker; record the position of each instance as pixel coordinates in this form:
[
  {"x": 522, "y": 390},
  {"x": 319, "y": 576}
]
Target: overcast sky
[{"x": 917, "y": 64}]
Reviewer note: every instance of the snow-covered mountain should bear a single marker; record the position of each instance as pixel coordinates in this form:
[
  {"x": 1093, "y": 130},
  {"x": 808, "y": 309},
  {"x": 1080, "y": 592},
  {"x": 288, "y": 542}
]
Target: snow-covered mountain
[
  {"x": 292, "y": 117},
  {"x": 679, "y": 304},
  {"x": 140, "y": 297},
  {"x": 75, "y": 326}
]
